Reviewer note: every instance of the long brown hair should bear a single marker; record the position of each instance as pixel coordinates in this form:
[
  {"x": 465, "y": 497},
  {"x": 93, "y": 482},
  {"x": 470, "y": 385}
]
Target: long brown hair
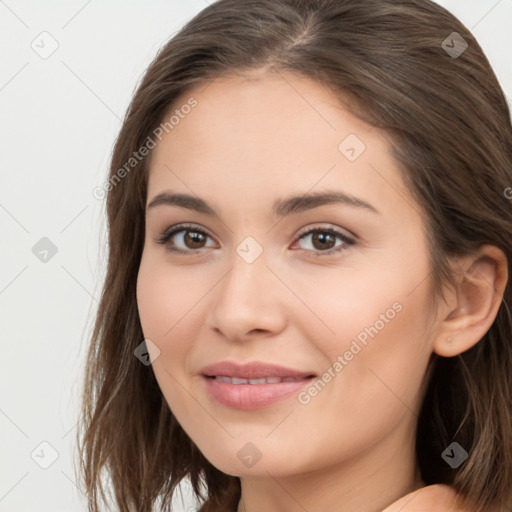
[{"x": 450, "y": 126}]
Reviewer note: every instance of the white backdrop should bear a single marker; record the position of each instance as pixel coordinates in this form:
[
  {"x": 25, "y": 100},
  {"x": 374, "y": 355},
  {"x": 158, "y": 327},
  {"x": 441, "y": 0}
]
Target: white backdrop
[{"x": 67, "y": 73}]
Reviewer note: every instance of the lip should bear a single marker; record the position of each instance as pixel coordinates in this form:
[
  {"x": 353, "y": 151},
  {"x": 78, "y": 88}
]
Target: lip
[
  {"x": 252, "y": 396},
  {"x": 252, "y": 370}
]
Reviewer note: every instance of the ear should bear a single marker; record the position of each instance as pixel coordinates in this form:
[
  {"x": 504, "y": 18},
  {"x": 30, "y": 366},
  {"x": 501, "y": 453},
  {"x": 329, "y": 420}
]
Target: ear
[{"x": 471, "y": 307}]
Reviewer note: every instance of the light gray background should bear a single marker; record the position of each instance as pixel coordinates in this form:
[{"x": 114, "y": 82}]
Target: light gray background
[{"x": 60, "y": 116}]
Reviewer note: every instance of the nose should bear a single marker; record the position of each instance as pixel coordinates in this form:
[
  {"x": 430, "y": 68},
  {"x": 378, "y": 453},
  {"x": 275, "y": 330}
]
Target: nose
[{"x": 248, "y": 301}]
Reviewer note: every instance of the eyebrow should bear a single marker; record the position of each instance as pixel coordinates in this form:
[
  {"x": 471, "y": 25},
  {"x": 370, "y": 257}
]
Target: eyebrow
[{"x": 280, "y": 208}]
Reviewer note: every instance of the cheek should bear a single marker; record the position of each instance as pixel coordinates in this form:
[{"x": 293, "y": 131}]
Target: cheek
[
  {"x": 165, "y": 301},
  {"x": 150, "y": 302},
  {"x": 383, "y": 361},
  {"x": 171, "y": 302},
  {"x": 363, "y": 301},
  {"x": 165, "y": 297},
  {"x": 384, "y": 347},
  {"x": 374, "y": 317}
]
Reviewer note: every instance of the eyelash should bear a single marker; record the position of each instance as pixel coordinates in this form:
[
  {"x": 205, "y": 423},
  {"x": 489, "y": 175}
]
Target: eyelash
[{"x": 168, "y": 234}]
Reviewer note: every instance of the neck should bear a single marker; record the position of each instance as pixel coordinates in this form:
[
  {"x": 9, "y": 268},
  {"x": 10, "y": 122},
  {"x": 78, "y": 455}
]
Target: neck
[{"x": 367, "y": 483}]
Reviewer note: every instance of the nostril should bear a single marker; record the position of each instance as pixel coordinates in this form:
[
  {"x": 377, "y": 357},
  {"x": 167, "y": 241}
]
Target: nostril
[{"x": 258, "y": 330}]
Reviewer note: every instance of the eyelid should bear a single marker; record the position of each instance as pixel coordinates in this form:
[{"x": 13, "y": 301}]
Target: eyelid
[
  {"x": 327, "y": 227},
  {"x": 182, "y": 227},
  {"x": 173, "y": 230}
]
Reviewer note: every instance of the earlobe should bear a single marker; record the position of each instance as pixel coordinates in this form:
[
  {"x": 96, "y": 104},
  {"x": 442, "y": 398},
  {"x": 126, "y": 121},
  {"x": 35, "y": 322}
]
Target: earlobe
[{"x": 474, "y": 304}]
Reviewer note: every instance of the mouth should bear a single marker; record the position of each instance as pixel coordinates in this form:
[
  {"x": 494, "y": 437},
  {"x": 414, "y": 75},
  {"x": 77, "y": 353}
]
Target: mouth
[
  {"x": 253, "y": 372},
  {"x": 263, "y": 380},
  {"x": 253, "y": 385}
]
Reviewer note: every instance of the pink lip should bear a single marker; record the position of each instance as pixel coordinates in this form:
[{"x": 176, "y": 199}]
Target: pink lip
[
  {"x": 253, "y": 370},
  {"x": 252, "y": 396}
]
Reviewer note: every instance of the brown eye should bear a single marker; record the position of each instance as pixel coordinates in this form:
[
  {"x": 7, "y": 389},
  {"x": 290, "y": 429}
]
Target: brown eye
[
  {"x": 194, "y": 239},
  {"x": 323, "y": 241},
  {"x": 184, "y": 239}
]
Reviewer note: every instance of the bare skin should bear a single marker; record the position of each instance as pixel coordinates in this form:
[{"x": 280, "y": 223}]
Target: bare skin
[
  {"x": 248, "y": 143},
  {"x": 431, "y": 498}
]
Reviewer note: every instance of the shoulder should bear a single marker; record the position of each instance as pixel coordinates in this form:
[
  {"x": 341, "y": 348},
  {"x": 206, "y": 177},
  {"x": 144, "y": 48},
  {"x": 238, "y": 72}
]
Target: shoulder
[{"x": 432, "y": 498}]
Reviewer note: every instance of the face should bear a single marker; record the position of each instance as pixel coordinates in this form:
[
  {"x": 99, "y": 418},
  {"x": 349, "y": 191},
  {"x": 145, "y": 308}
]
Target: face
[{"x": 336, "y": 287}]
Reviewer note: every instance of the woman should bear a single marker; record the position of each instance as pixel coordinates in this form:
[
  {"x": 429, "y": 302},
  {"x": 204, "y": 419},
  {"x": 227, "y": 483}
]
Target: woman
[{"x": 306, "y": 301}]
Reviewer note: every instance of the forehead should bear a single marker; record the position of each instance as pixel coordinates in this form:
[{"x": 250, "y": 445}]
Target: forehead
[{"x": 270, "y": 135}]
